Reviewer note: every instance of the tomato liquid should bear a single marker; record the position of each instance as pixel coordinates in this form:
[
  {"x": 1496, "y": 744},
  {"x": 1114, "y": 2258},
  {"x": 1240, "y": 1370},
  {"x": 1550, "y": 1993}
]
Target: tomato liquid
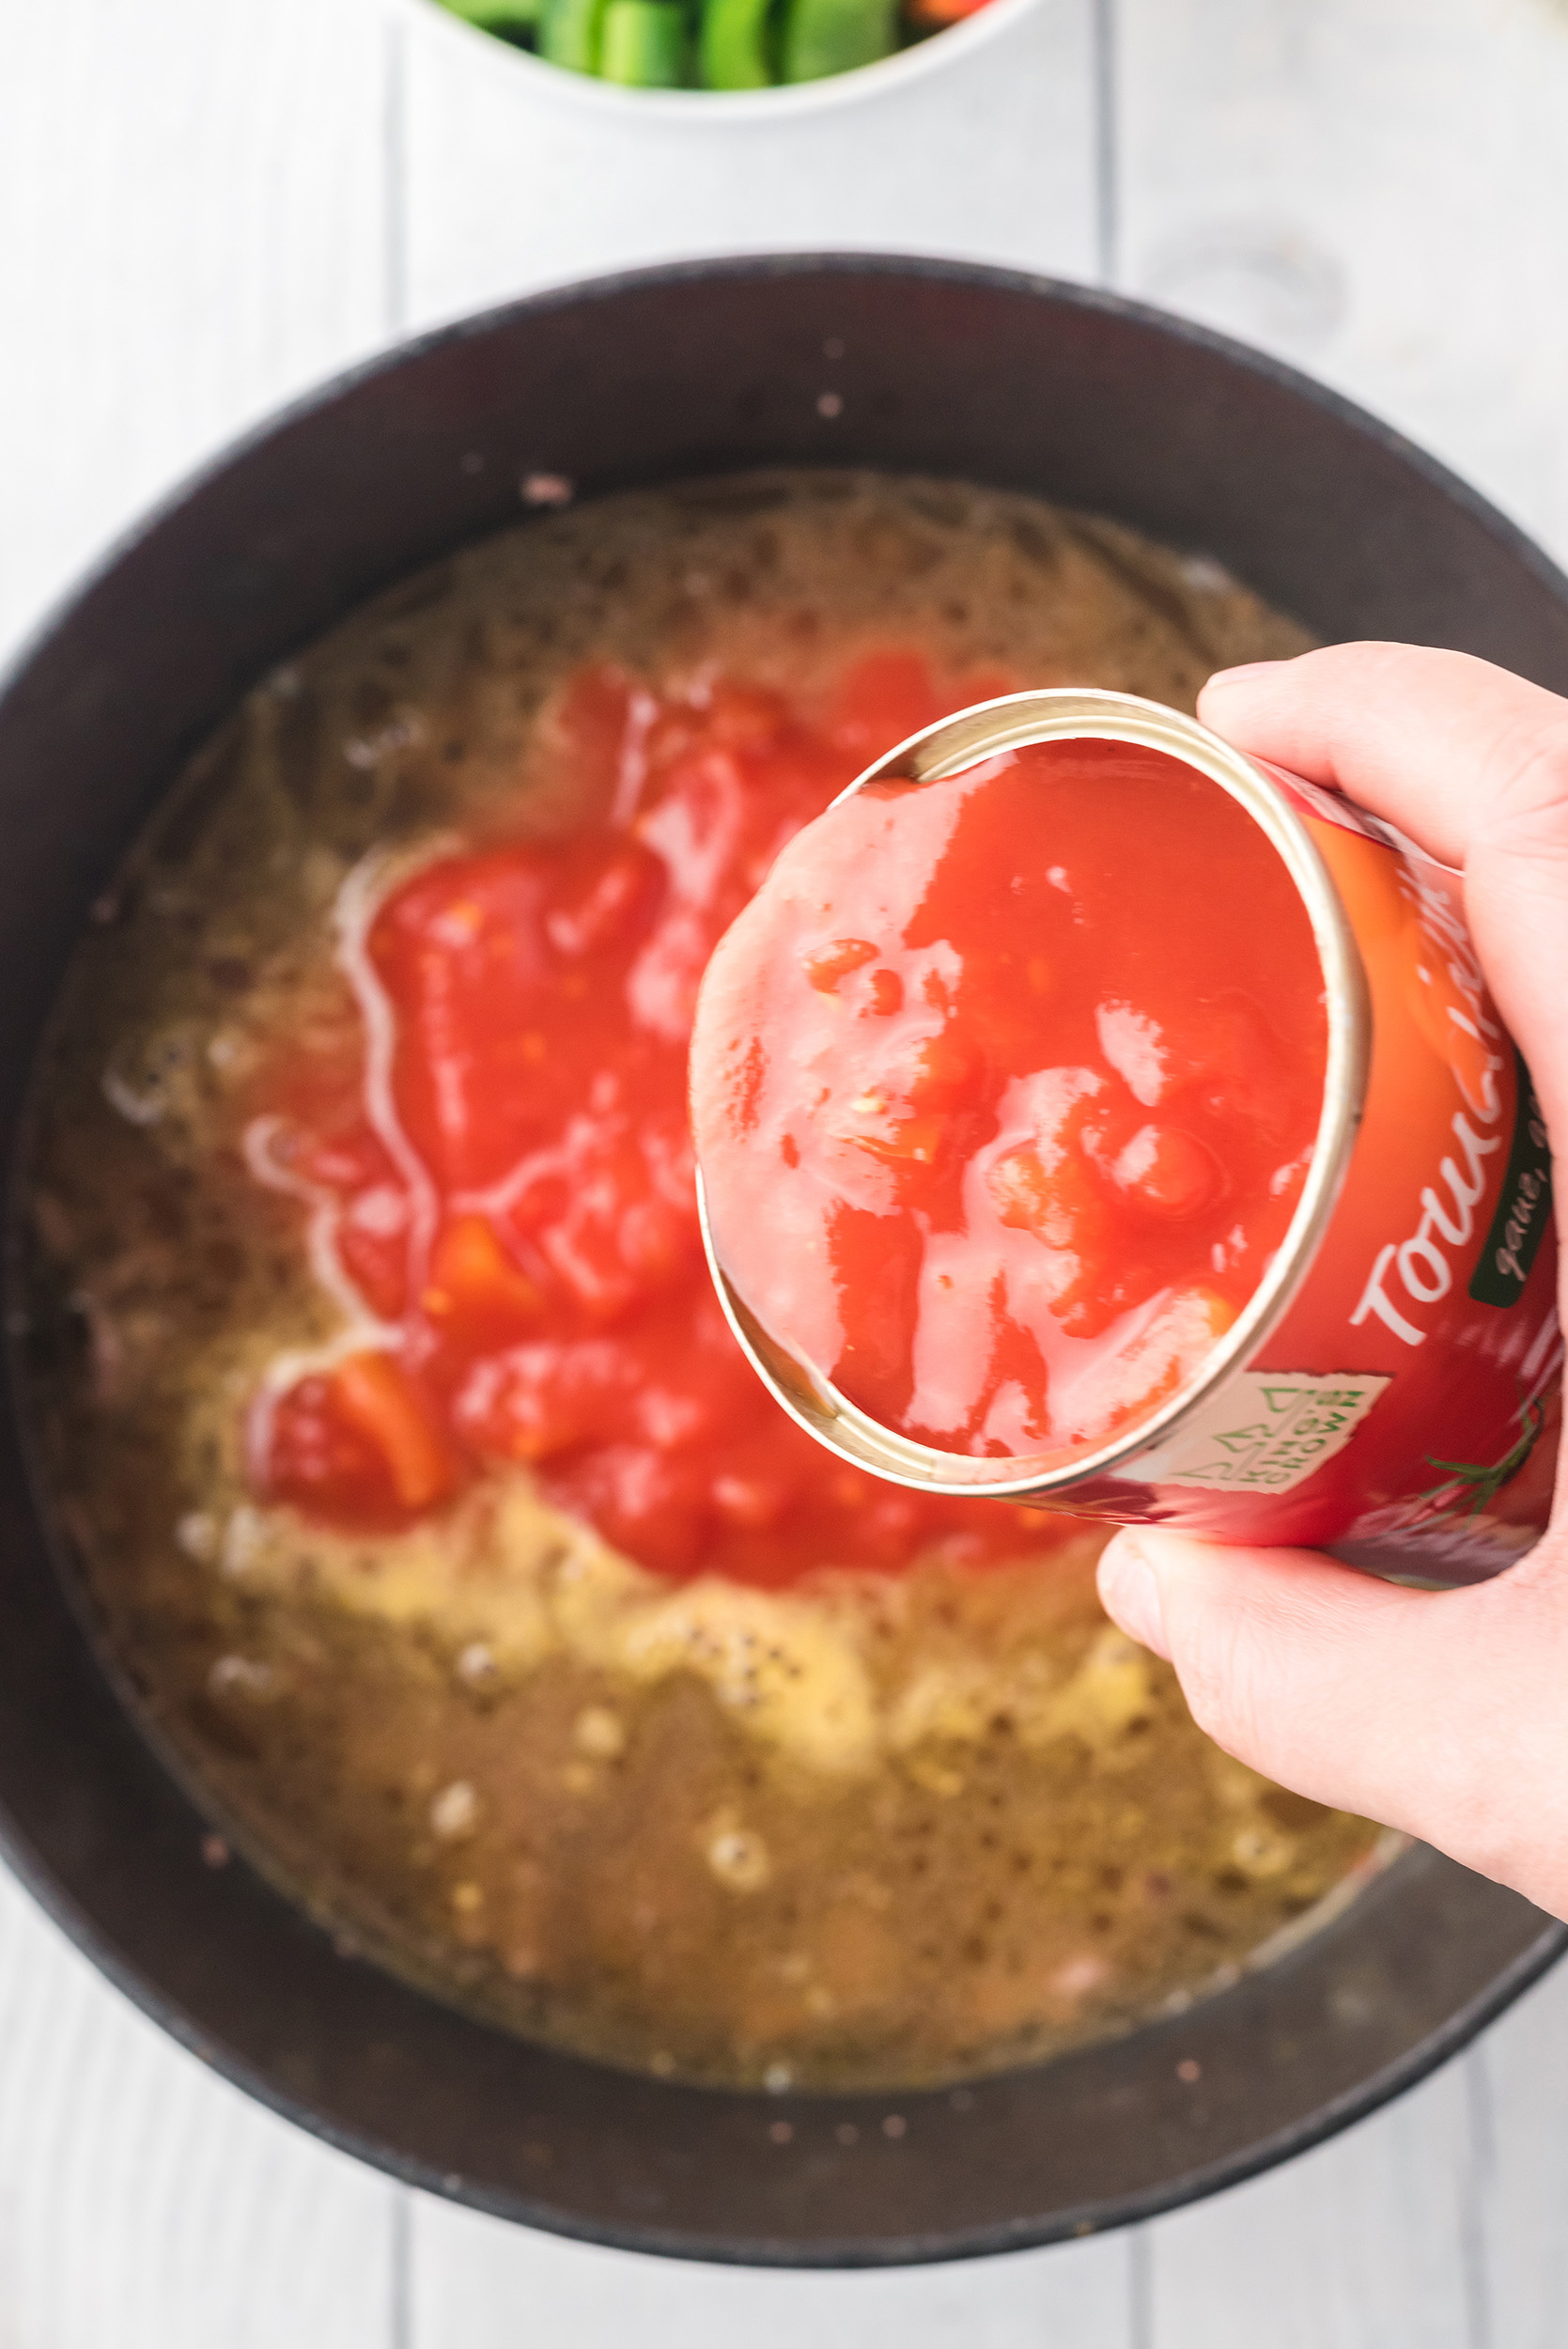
[{"x": 1005, "y": 1091}]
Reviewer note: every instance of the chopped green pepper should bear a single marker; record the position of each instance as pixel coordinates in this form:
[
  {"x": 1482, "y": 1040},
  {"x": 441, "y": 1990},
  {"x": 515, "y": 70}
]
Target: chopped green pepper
[
  {"x": 823, "y": 37},
  {"x": 733, "y": 45},
  {"x": 509, "y": 19},
  {"x": 645, "y": 44},
  {"x": 570, "y": 33}
]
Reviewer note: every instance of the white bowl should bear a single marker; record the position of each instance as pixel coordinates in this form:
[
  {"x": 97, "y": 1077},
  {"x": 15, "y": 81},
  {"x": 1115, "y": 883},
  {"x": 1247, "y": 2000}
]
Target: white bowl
[{"x": 687, "y": 108}]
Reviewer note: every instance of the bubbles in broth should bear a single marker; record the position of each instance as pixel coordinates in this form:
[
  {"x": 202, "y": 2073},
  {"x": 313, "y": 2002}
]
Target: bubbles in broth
[{"x": 419, "y": 1491}]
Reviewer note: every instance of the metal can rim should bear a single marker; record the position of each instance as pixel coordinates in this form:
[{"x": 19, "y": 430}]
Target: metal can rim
[{"x": 950, "y": 747}]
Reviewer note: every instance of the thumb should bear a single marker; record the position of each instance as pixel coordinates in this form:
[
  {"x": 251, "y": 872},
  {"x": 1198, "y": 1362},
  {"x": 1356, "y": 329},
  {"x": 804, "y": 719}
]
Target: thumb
[{"x": 1440, "y": 1713}]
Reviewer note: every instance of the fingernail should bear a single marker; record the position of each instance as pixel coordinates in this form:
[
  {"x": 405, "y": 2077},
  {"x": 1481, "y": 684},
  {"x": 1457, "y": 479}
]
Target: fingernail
[{"x": 1129, "y": 1592}]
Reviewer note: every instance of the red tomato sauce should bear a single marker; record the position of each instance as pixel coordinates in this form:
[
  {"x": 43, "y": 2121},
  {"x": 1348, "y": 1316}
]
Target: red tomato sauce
[
  {"x": 501, "y": 1187},
  {"x": 1006, "y": 1090}
]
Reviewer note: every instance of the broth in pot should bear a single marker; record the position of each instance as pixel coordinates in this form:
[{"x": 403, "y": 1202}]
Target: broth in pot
[{"x": 446, "y": 1538}]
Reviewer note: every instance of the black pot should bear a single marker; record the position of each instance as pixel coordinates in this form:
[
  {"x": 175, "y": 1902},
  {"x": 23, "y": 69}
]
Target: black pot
[{"x": 668, "y": 373}]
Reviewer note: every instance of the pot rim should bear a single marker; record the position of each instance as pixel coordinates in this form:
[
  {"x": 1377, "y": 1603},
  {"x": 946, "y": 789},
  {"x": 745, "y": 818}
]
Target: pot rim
[
  {"x": 835, "y": 261},
  {"x": 852, "y": 2253}
]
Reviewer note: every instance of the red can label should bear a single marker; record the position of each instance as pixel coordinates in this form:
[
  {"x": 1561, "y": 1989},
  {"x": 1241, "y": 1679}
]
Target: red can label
[{"x": 1404, "y": 1412}]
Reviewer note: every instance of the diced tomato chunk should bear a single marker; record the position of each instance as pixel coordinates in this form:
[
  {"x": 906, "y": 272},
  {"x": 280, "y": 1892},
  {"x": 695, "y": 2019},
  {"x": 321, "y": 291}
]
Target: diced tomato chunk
[
  {"x": 360, "y": 1444},
  {"x": 828, "y": 965},
  {"x": 477, "y": 1296},
  {"x": 538, "y": 1400},
  {"x": 376, "y": 1397},
  {"x": 655, "y": 1505}
]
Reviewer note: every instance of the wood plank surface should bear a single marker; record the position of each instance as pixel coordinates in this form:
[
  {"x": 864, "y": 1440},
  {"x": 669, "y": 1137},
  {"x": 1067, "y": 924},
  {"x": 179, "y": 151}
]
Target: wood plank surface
[
  {"x": 1367, "y": 2242},
  {"x": 194, "y": 210},
  {"x": 516, "y": 178},
  {"x": 1521, "y": 2159},
  {"x": 143, "y": 2202},
  {"x": 204, "y": 209},
  {"x": 192, "y": 204},
  {"x": 476, "y": 2284},
  {"x": 1378, "y": 190}
]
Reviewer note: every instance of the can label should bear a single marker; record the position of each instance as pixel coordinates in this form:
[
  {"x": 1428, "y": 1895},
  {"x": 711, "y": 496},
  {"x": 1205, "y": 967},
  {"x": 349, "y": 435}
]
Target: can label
[
  {"x": 1437, "y": 1275},
  {"x": 1265, "y": 1431},
  {"x": 1524, "y": 1208}
]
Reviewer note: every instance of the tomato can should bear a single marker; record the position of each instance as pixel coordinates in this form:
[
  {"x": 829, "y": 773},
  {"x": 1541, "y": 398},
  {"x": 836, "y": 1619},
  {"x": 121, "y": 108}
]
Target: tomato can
[{"x": 1391, "y": 1391}]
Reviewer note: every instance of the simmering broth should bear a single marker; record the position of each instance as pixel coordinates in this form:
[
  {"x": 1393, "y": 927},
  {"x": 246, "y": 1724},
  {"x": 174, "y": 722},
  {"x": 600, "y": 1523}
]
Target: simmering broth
[{"x": 874, "y": 1800}]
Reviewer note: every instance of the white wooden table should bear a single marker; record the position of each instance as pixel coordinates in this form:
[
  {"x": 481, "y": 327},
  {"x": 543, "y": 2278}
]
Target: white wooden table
[{"x": 204, "y": 209}]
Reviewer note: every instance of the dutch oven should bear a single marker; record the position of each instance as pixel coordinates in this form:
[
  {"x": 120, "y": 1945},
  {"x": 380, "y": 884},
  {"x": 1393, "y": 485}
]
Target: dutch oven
[{"x": 628, "y": 382}]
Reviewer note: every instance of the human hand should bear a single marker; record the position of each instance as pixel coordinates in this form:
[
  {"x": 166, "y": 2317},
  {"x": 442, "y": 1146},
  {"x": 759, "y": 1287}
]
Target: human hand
[{"x": 1442, "y": 1713}]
